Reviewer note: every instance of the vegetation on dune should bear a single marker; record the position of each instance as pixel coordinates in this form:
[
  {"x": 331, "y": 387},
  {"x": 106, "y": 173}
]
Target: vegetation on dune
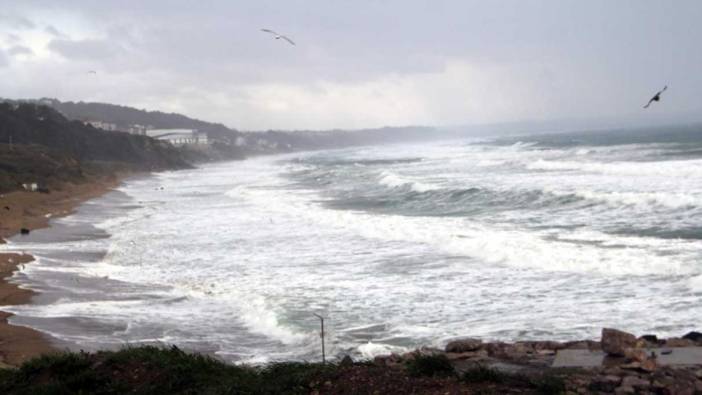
[
  {"x": 37, "y": 144},
  {"x": 31, "y": 124},
  {"x": 545, "y": 384},
  {"x": 34, "y": 163},
  {"x": 152, "y": 370},
  {"x": 433, "y": 365}
]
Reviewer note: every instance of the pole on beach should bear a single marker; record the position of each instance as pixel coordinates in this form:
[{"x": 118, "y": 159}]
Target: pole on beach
[{"x": 321, "y": 320}]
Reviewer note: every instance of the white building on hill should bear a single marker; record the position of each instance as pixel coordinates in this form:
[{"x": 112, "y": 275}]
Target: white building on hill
[
  {"x": 138, "y": 129},
  {"x": 179, "y": 136},
  {"x": 102, "y": 125}
]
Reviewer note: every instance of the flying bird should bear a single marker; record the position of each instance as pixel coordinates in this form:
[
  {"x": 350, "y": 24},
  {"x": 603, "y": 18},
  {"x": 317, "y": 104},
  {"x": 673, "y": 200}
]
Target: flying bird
[
  {"x": 657, "y": 97},
  {"x": 278, "y": 36},
  {"x": 92, "y": 72}
]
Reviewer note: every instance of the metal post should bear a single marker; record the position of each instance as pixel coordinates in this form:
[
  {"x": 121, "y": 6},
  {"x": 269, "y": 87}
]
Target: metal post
[{"x": 321, "y": 319}]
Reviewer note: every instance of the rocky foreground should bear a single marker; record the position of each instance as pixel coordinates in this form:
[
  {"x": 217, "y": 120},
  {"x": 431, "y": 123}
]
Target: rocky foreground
[
  {"x": 629, "y": 364},
  {"x": 619, "y": 363}
]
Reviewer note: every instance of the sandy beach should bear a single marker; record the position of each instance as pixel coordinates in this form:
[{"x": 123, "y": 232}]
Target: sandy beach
[{"x": 33, "y": 210}]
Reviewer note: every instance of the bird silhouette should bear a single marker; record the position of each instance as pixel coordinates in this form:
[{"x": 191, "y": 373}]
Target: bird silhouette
[
  {"x": 657, "y": 97},
  {"x": 278, "y": 36}
]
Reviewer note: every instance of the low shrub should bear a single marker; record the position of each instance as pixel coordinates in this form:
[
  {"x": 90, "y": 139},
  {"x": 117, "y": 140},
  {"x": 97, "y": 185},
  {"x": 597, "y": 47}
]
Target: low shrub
[{"x": 433, "y": 365}]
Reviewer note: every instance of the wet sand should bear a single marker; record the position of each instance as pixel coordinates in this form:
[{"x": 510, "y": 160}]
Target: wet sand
[{"x": 33, "y": 210}]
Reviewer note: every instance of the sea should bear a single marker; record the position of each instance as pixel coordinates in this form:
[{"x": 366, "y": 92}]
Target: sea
[{"x": 546, "y": 236}]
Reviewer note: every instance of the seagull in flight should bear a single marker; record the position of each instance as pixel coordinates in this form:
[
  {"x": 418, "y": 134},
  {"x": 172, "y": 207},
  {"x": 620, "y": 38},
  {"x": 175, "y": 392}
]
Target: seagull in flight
[
  {"x": 278, "y": 36},
  {"x": 657, "y": 97}
]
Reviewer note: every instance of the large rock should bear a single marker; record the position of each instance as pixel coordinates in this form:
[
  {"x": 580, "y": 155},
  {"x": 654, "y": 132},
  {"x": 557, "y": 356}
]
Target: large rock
[
  {"x": 548, "y": 345},
  {"x": 473, "y": 355},
  {"x": 496, "y": 349},
  {"x": 615, "y": 342},
  {"x": 636, "y": 354},
  {"x": 463, "y": 345}
]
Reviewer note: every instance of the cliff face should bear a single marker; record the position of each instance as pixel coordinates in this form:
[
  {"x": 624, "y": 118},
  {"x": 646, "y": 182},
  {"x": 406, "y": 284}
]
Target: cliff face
[{"x": 37, "y": 143}]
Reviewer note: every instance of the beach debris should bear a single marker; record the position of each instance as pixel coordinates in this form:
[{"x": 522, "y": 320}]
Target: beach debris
[
  {"x": 31, "y": 187},
  {"x": 615, "y": 342},
  {"x": 7, "y": 208},
  {"x": 656, "y": 97},
  {"x": 24, "y": 231}
]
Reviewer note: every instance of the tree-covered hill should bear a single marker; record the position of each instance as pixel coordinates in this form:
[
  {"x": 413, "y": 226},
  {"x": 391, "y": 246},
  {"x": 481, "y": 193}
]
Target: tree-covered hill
[{"x": 38, "y": 143}]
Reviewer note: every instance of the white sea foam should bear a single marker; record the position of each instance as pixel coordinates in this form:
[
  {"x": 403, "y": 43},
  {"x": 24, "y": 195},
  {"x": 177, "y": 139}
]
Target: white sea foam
[
  {"x": 679, "y": 168},
  {"x": 371, "y": 350},
  {"x": 494, "y": 245},
  {"x": 394, "y": 180},
  {"x": 260, "y": 319},
  {"x": 490, "y": 163},
  {"x": 235, "y": 257},
  {"x": 643, "y": 199},
  {"x": 695, "y": 283}
]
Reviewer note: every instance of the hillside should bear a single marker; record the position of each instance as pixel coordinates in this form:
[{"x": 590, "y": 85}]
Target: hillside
[
  {"x": 39, "y": 144},
  {"x": 60, "y": 139},
  {"x": 233, "y": 144},
  {"x": 124, "y": 116}
]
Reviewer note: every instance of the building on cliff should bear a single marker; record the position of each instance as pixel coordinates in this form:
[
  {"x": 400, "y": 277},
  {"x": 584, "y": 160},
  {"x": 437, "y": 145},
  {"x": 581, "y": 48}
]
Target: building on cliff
[
  {"x": 102, "y": 125},
  {"x": 179, "y": 137}
]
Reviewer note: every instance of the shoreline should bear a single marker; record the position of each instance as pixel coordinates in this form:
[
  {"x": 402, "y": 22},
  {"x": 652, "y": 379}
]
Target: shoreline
[{"x": 34, "y": 210}]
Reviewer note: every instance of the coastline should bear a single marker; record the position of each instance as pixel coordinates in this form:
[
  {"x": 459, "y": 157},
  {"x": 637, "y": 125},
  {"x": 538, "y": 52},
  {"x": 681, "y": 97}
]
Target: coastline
[{"x": 33, "y": 210}]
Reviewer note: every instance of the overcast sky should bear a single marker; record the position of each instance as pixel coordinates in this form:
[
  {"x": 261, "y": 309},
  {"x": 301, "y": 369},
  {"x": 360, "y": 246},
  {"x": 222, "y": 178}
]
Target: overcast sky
[{"x": 358, "y": 63}]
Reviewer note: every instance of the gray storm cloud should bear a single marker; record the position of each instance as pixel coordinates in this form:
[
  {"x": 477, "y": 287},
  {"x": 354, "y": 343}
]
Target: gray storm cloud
[
  {"x": 54, "y": 31},
  {"x": 20, "y": 50},
  {"x": 94, "y": 50},
  {"x": 361, "y": 64},
  {"x": 16, "y": 22}
]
